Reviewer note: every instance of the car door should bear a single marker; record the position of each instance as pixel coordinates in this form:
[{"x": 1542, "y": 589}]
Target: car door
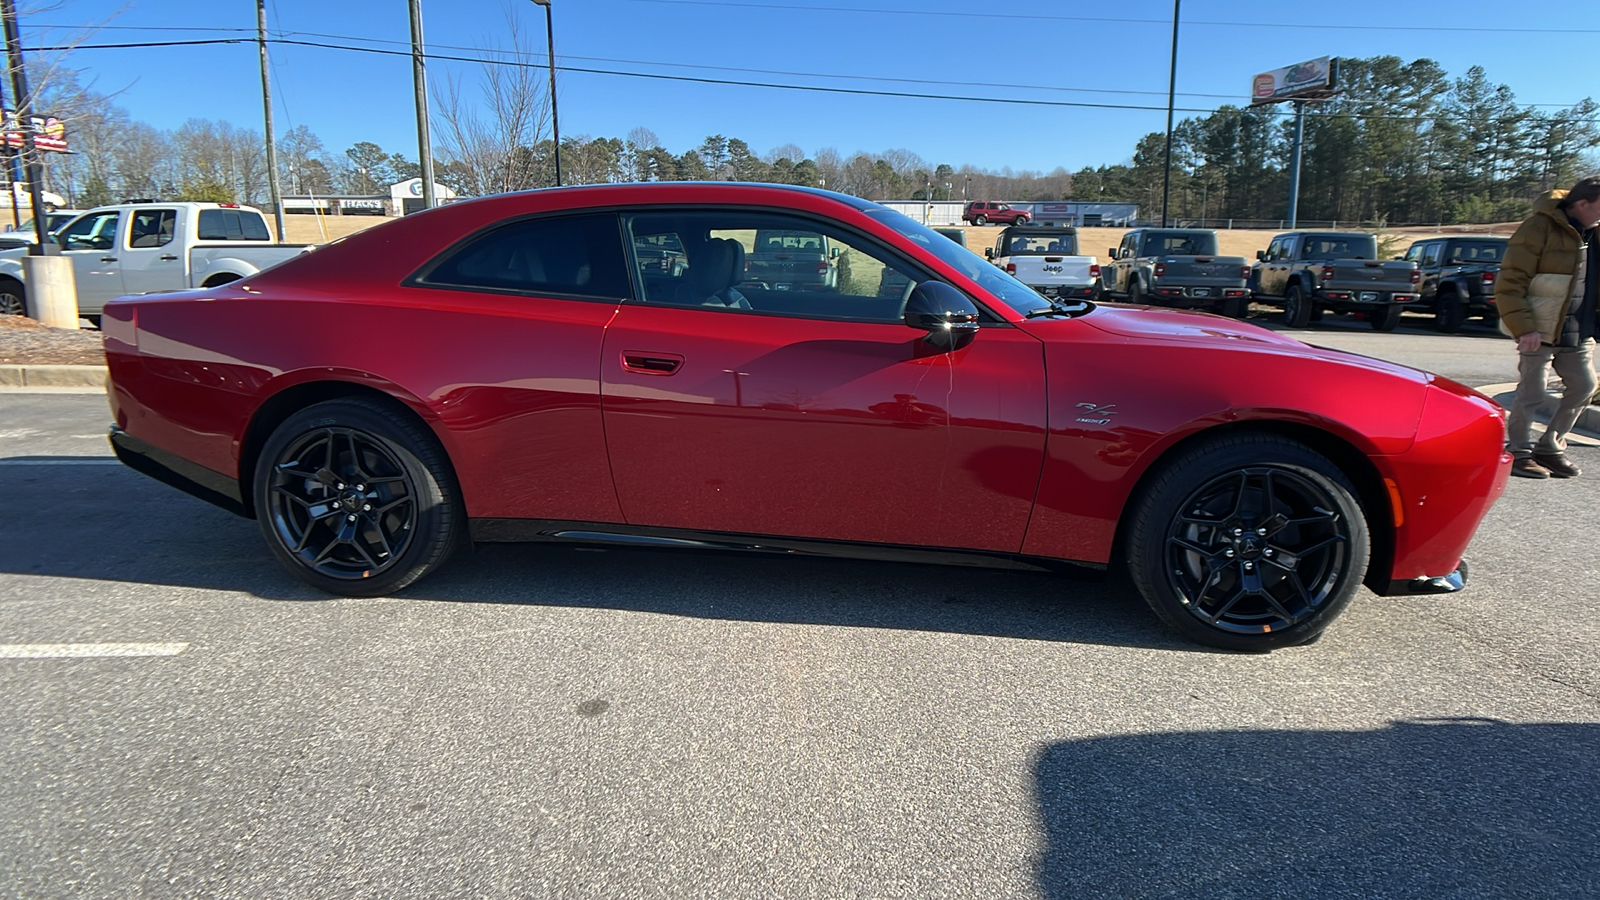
[
  {"x": 151, "y": 256},
  {"x": 1431, "y": 265},
  {"x": 815, "y": 414},
  {"x": 91, "y": 243},
  {"x": 1275, "y": 269}
]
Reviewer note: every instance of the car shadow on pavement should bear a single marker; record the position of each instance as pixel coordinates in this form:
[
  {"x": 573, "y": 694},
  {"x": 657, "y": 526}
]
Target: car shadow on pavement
[
  {"x": 1431, "y": 808},
  {"x": 61, "y": 517}
]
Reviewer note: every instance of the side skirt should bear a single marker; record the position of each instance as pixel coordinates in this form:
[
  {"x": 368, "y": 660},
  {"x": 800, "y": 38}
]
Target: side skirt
[{"x": 493, "y": 531}]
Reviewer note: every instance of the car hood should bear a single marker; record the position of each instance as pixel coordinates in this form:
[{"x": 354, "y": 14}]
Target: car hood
[{"x": 1148, "y": 323}]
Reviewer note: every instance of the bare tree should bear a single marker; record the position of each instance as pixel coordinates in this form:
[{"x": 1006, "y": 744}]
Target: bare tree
[{"x": 497, "y": 150}]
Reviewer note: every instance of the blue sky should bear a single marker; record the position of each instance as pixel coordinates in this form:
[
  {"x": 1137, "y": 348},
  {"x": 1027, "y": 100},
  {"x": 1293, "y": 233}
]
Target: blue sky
[{"x": 1107, "y": 53}]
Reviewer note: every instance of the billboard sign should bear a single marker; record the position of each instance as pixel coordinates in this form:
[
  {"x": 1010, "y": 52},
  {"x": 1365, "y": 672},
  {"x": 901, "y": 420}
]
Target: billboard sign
[
  {"x": 1311, "y": 80},
  {"x": 49, "y": 133}
]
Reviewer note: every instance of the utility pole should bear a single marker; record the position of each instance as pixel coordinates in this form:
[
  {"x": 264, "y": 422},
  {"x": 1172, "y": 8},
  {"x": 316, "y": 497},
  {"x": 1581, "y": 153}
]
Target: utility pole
[
  {"x": 419, "y": 79},
  {"x": 1172, "y": 93},
  {"x": 266, "y": 105},
  {"x": 50, "y": 292},
  {"x": 24, "y": 114}
]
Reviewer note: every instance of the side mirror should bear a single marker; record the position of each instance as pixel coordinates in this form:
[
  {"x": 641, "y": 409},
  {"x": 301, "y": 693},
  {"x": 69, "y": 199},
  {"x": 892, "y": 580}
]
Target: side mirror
[
  {"x": 833, "y": 253},
  {"x": 1113, "y": 253},
  {"x": 1261, "y": 255},
  {"x": 946, "y": 314},
  {"x": 988, "y": 253}
]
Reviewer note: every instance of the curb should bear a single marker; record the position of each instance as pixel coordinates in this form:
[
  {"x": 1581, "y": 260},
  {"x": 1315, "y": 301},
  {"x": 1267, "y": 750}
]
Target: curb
[
  {"x": 12, "y": 377},
  {"x": 1503, "y": 394}
]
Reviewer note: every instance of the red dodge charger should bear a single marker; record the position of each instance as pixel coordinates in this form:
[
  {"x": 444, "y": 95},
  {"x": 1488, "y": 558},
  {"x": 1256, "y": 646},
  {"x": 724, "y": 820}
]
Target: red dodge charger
[{"x": 522, "y": 367}]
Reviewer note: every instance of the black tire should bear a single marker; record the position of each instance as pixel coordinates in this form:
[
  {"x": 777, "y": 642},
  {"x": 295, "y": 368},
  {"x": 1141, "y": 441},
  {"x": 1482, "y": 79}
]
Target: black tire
[
  {"x": 1234, "y": 307},
  {"x": 13, "y": 301},
  {"x": 1136, "y": 291},
  {"x": 1388, "y": 318},
  {"x": 980, "y": 220},
  {"x": 93, "y": 320},
  {"x": 1248, "y": 542},
  {"x": 356, "y": 498},
  {"x": 1451, "y": 313},
  {"x": 1296, "y": 308}
]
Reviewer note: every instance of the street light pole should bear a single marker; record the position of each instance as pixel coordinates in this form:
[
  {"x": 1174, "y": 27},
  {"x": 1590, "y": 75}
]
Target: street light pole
[{"x": 555, "y": 120}]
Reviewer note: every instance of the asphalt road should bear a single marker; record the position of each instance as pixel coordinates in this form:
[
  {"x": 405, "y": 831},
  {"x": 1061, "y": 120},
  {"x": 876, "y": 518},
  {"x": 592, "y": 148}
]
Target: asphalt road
[{"x": 556, "y": 722}]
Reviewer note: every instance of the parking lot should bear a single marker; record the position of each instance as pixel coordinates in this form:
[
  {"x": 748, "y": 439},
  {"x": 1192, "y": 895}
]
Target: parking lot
[{"x": 561, "y": 722}]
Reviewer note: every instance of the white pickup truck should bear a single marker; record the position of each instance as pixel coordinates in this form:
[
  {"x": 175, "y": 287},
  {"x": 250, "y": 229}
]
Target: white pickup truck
[
  {"x": 1046, "y": 259},
  {"x": 142, "y": 248}
]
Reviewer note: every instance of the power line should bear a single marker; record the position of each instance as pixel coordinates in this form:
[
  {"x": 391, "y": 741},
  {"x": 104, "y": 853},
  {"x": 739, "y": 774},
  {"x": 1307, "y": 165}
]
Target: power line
[
  {"x": 1102, "y": 20},
  {"x": 1010, "y": 101}
]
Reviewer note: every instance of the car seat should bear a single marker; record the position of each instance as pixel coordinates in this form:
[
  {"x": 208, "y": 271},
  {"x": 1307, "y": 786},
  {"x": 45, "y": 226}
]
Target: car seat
[{"x": 714, "y": 268}]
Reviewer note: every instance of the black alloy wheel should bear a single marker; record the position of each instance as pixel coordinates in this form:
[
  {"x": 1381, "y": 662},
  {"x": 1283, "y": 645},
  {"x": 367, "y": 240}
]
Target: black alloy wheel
[
  {"x": 355, "y": 498},
  {"x": 1250, "y": 542},
  {"x": 1296, "y": 309}
]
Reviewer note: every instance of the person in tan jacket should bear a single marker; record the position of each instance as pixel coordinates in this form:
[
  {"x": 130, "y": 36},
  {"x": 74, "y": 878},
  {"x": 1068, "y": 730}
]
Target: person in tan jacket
[{"x": 1552, "y": 265}]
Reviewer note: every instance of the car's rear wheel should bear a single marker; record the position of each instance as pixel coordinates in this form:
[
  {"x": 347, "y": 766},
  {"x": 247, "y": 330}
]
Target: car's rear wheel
[
  {"x": 980, "y": 220},
  {"x": 1248, "y": 542},
  {"x": 357, "y": 498},
  {"x": 1452, "y": 312},
  {"x": 1136, "y": 291},
  {"x": 1296, "y": 309},
  {"x": 1388, "y": 318}
]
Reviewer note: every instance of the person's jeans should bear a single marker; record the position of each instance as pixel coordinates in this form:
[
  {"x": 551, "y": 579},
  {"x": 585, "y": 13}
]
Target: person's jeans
[{"x": 1575, "y": 366}]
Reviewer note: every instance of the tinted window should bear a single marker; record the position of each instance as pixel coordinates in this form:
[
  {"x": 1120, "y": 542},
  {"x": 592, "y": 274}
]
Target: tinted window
[
  {"x": 1197, "y": 243},
  {"x": 1033, "y": 243},
  {"x": 1329, "y": 246},
  {"x": 1477, "y": 251},
  {"x": 151, "y": 227},
  {"x": 1430, "y": 254},
  {"x": 573, "y": 255},
  {"x": 232, "y": 225}
]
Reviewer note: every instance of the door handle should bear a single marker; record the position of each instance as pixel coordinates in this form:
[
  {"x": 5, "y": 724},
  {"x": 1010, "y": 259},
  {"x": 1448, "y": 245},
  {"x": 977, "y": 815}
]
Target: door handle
[
  {"x": 108, "y": 259},
  {"x": 167, "y": 257},
  {"x": 651, "y": 363}
]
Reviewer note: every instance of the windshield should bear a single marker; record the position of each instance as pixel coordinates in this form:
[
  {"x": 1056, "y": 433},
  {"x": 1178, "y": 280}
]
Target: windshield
[{"x": 996, "y": 283}]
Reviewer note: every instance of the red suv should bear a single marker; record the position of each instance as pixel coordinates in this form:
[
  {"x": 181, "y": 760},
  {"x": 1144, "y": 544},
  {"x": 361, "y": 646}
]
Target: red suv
[{"x": 982, "y": 212}]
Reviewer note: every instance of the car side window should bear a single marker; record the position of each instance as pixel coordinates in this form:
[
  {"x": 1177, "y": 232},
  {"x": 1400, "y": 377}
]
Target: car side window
[
  {"x": 578, "y": 256},
  {"x": 151, "y": 228},
  {"x": 761, "y": 262},
  {"x": 1274, "y": 250},
  {"x": 1430, "y": 254},
  {"x": 1413, "y": 253},
  {"x": 98, "y": 232}
]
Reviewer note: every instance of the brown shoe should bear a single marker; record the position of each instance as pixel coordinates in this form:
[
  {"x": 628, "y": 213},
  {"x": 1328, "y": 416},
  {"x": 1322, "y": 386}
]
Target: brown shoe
[
  {"x": 1525, "y": 467},
  {"x": 1558, "y": 464}
]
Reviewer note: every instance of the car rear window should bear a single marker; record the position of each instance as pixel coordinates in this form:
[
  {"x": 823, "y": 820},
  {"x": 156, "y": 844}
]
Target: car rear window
[
  {"x": 232, "y": 225},
  {"x": 1195, "y": 244},
  {"x": 1478, "y": 251}
]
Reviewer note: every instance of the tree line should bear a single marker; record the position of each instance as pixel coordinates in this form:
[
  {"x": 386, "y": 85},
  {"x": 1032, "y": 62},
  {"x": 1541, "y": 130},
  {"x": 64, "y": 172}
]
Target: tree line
[{"x": 1402, "y": 143}]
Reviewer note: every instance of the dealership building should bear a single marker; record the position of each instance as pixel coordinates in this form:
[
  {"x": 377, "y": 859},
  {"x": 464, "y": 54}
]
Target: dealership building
[{"x": 402, "y": 199}]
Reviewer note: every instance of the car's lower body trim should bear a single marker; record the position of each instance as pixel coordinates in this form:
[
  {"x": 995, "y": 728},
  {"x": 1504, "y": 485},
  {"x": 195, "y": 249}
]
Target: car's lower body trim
[
  {"x": 490, "y": 531},
  {"x": 169, "y": 468}
]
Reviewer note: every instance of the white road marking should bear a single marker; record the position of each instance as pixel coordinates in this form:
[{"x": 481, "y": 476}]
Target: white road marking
[
  {"x": 64, "y": 461},
  {"x": 69, "y": 651}
]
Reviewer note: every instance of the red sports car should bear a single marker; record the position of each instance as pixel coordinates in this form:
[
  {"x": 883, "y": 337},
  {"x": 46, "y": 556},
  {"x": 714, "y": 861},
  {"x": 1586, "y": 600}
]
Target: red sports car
[{"x": 521, "y": 367}]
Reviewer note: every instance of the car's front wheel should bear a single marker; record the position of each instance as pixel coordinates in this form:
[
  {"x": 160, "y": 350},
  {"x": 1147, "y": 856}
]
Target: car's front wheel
[
  {"x": 12, "y": 300},
  {"x": 980, "y": 220},
  {"x": 1388, "y": 318},
  {"x": 1248, "y": 542},
  {"x": 357, "y": 498}
]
